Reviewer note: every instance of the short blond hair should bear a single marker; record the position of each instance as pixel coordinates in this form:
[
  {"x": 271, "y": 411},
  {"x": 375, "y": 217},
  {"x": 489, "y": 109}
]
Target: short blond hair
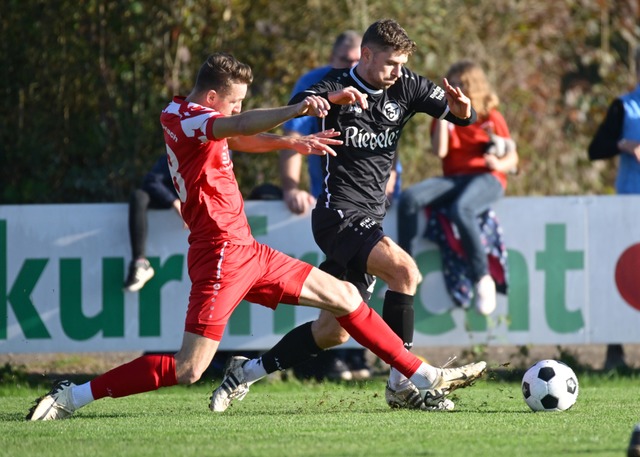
[{"x": 220, "y": 71}]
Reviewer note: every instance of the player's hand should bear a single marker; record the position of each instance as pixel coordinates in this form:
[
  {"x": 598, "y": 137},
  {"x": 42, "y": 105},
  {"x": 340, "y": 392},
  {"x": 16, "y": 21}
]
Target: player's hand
[
  {"x": 314, "y": 105},
  {"x": 349, "y": 96},
  {"x": 298, "y": 201},
  {"x": 391, "y": 185},
  {"x": 459, "y": 103},
  {"x": 630, "y": 147},
  {"x": 176, "y": 206},
  {"x": 492, "y": 161},
  {"x": 317, "y": 143}
]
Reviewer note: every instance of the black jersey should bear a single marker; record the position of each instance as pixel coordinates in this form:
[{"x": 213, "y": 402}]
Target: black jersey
[{"x": 356, "y": 178}]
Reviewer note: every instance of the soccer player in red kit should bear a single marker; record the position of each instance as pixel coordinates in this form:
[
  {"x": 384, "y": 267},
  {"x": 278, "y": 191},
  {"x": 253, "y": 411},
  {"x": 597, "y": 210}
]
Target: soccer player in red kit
[{"x": 226, "y": 264}]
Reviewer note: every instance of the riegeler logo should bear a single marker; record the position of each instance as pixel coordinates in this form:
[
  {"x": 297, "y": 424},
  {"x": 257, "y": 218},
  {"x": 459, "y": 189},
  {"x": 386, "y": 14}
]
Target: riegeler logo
[
  {"x": 391, "y": 110},
  {"x": 364, "y": 139}
]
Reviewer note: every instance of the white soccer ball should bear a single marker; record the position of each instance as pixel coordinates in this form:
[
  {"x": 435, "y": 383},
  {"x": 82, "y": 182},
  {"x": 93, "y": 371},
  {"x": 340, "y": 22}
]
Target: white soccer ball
[{"x": 550, "y": 385}]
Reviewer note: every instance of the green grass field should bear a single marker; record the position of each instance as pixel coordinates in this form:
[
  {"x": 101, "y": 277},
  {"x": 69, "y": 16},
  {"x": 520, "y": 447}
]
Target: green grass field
[{"x": 327, "y": 419}]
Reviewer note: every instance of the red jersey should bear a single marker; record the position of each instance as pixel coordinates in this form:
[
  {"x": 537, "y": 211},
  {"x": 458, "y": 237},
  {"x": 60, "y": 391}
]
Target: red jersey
[
  {"x": 202, "y": 173},
  {"x": 467, "y": 146}
]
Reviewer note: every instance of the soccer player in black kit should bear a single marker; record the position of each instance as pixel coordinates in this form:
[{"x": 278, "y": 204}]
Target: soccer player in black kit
[{"x": 347, "y": 219}]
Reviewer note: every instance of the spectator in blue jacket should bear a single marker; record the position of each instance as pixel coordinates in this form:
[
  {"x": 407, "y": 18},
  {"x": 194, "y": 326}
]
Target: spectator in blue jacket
[{"x": 619, "y": 135}]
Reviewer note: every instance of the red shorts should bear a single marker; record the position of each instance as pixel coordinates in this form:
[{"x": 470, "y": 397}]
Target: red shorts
[{"x": 224, "y": 275}]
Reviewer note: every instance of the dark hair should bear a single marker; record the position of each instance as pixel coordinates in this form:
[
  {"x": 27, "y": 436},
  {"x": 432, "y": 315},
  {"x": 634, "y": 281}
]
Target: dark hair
[
  {"x": 220, "y": 70},
  {"x": 387, "y": 33}
]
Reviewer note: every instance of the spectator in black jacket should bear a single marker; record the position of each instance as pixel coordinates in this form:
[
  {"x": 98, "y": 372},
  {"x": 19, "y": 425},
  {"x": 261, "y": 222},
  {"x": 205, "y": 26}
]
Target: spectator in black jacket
[{"x": 157, "y": 192}]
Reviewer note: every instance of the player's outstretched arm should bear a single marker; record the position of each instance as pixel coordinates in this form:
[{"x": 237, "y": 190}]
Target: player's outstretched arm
[
  {"x": 262, "y": 119},
  {"x": 345, "y": 96},
  {"x": 318, "y": 143}
]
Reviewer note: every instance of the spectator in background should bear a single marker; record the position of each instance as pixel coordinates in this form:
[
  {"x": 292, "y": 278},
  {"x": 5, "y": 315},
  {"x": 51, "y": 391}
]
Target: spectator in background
[
  {"x": 333, "y": 364},
  {"x": 619, "y": 134},
  {"x": 156, "y": 192},
  {"x": 474, "y": 178}
]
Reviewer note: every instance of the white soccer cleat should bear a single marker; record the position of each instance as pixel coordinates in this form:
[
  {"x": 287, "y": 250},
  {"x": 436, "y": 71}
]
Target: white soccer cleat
[
  {"x": 485, "y": 295},
  {"x": 233, "y": 386},
  {"x": 435, "y": 400},
  {"x": 410, "y": 398},
  {"x": 460, "y": 377},
  {"x": 57, "y": 404},
  {"x": 450, "y": 379},
  {"x": 140, "y": 272}
]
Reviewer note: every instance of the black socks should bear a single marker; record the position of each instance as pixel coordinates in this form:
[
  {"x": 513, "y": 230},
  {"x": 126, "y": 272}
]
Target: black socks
[
  {"x": 397, "y": 312},
  {"x": 295, "y": 347}
]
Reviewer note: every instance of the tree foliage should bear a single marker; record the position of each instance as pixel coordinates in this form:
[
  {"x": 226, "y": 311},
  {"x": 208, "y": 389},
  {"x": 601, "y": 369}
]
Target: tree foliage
[{"x": 84, "y": 81}]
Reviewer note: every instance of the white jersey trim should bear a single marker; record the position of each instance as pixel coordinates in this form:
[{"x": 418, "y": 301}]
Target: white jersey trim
[
  {"x": 444, "y": 113},
  {"x": 352, "y": 72},
  {"x": 326, "y": 178}
]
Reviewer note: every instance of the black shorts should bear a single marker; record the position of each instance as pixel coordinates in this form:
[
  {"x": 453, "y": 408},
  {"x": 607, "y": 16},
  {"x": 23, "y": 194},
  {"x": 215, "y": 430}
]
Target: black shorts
[{"x": 347, "y": 237}]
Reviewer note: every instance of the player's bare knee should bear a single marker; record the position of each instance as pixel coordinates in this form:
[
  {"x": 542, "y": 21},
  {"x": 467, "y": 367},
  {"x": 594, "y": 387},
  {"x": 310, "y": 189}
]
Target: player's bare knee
[
  {"x": 352, "y": 297},
  {"x": 330, "y": 340},
  {"x": 345, "y": 298},
  {"x": 342, "y": 337},
  {"x": 327, "y": 333},
  {"x": 406, "y": 276},
  {"x": 336, "y": 337},
  {"x": 415, "y": 277}
]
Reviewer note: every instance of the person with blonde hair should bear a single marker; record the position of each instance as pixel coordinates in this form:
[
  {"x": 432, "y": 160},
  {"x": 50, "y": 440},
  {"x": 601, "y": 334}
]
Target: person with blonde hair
[{"x": 475, "y": 163}]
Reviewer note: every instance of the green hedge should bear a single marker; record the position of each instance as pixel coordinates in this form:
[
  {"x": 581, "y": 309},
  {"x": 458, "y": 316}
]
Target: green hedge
[{"x": 84, "y": 81}]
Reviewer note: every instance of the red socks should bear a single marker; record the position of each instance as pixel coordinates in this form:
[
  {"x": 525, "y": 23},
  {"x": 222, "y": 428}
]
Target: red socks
[
  {"x": 151, "y": 372},
  {"x": 143, "y": 374},
  {"x": 367, "y": 328}
]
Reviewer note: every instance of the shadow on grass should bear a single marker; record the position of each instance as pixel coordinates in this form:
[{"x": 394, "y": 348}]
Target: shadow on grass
[
  {"x": 18, "y": 375},
  {"x": 13, "y": 417},
  {"x": 506, "y": 374}
]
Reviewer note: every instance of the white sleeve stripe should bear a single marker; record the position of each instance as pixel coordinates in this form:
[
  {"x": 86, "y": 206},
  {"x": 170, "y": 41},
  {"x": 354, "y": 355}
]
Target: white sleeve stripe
[
  {"x": 446, "y": 111},
  {"x": 326, "y": 179}
]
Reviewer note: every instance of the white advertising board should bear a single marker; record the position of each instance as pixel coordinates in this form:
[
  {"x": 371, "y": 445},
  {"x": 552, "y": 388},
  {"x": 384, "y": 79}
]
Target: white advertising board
[{"x": 574, "y": 277}]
